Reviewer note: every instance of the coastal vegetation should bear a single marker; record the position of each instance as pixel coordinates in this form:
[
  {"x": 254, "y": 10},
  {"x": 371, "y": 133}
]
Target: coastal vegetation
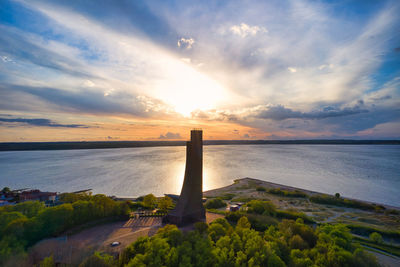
[
  {"x": 289, "y": 243},
  {"x": 286, "y": 193},
  {"x": 344, "y": 202},
  {"x": 215, "y": 203},
  {"x": 272, "y": 228},
  {"x": 24, "y": 224}
]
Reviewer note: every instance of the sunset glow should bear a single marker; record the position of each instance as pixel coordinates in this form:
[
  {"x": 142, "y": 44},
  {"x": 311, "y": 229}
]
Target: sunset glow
[{"x": 154, "y": 70}]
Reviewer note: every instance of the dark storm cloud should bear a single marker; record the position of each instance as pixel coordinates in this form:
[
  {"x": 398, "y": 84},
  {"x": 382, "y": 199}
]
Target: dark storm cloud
[
  {"x": 279, "y": 112},
  {"x": 41, "y": 123},
  {"x": 361, "y": 121},
  {"x": 92, "y": 102}
]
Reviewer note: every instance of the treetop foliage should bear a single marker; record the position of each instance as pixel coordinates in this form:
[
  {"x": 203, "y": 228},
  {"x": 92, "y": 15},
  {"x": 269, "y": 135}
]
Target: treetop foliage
[
  {"x": 290, "y": 243},
  {"x": 25, "y": 223}
]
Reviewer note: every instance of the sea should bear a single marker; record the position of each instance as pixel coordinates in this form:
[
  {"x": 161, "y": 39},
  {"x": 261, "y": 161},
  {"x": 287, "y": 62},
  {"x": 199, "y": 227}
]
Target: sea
[{"x": 366, "y": 172}]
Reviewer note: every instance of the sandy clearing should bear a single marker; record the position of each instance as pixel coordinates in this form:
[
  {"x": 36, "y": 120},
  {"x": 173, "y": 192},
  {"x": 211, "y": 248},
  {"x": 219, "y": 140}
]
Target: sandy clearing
[{"x": 73, "y": 249}]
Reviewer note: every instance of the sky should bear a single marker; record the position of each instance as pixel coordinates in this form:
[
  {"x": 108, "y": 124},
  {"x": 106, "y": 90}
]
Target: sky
[{"x": 152, "y": 70}]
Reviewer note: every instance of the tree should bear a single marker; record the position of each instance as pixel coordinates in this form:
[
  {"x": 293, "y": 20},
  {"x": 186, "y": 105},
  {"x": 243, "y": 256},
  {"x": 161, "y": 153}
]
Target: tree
[
  {"x": 243, "y": 223},
  {"x": 8, "y": 217},
  {"x": 201, "y": 227},
  {"x": 6, "y": 190},
  {"x": 98, "y": 260},
  {"x": 165, "y": 203},
  {"x": 27, "y": 208},
  {"x": 296, "y": 242},
  {"x": 337, "y": 195},
  {"x": 261, "y": 207},
  {"x": 47, "y": 262},
  {"x": 376, "y": 237},
  {"x": 56, "y": 219},
  {"x": 275, "y": 261},
  {"x": 149, "y": 201},
  {"x": 365, "y": 259}
]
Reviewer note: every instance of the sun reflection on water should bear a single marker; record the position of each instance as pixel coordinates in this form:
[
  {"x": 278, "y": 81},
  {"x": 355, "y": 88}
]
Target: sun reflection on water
[{"x": 179, "y": 175}]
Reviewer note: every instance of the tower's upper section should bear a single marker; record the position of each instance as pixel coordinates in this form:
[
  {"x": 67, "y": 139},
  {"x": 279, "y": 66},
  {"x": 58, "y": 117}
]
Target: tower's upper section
[{"x": 196, "y": 135}]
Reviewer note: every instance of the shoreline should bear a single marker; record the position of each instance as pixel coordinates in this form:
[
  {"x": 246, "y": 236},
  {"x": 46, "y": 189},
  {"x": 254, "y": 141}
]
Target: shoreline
[
  {"x": 291, "y": 188},
  {"x": 75, "y": 145}
]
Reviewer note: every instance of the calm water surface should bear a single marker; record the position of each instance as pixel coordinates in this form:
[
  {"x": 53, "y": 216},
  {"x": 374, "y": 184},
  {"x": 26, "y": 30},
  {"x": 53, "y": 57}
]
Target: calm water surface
[{"x": 368, "y": 172}]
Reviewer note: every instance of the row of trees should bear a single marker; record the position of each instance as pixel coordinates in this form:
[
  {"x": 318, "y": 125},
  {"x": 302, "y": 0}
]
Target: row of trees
[
  {"x": 24, "y": 224},
  {"x": 150, "y": 202},
  {"x": 290, "y": 243}
]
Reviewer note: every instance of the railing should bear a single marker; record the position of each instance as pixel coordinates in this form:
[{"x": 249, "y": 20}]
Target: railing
[{"x": 149, "y": 214}]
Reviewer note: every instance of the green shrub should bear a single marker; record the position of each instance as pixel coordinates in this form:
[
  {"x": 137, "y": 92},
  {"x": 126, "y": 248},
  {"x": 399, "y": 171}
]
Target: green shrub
[
  {"x": 261, "y": 189},
  {"x": 165, "y": 203},
  {"x": 366, "y": 231},
  {"x": 149, "y": 201},
  {"x": 234, "y": 217},
  {"x": 261, "y": 207},
  {"x": 293, "y": 215},
  {"x": 215, "y": 203},
  {"x": 375, "y": 237},
  {"x": 286, "y": 193},
  {"x": 227, "y": 196}
]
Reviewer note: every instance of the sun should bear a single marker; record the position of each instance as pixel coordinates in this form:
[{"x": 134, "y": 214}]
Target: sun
[{"x": 186, "y": 90}]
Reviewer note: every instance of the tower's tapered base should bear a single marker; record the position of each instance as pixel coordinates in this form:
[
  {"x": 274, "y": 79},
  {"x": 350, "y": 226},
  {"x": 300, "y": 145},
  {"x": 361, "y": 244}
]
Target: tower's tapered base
[{"x": 190, "y": 207}]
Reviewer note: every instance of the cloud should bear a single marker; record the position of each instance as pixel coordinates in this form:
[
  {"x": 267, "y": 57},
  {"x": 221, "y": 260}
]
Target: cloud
[
  {"x": 186, "y": 60},
  {"x": 170, "y": 135},
  {"x": 106, "y": 59},
  {"x": 185, "y": 43},
  {"x": 6, "y": 59},
  {"x": 84, "y": 101},
  {"x": 18, "y": 45},
  {"x": 279, "y": 112},
  {"x": 243, "y": 30},
  {"x": 41, "y": 123}
]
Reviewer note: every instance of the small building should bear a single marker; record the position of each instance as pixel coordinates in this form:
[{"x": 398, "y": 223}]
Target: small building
[
  {"x": 234, "y": 207},
  {"x": 35, "y": 194}
]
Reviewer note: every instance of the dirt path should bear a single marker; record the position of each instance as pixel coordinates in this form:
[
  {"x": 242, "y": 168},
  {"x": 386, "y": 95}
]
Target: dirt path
[
  {"x": 75, "y": 248},
  {"x": 386, "y": 261}
]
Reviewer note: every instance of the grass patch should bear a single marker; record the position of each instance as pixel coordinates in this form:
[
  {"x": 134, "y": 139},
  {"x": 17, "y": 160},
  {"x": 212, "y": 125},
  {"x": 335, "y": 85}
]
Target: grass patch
[
  {"x": 293, "y": 215},
  {"x": 392, "y": 212},
  {"x": 370, "y": 221},
  {"x": 344, "y": 202},
  {"x": 227, "y": 196},
  {"x": 243, "y": 199},
  {"x": 321, "y": 215},
  {"x": 287, "y": 193},
  {"x": 366, "y": 231},
  {"x": 394, "y": 250},
  {"x": 222, "y": 212},
  {"x": 215, "y": 203}
]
